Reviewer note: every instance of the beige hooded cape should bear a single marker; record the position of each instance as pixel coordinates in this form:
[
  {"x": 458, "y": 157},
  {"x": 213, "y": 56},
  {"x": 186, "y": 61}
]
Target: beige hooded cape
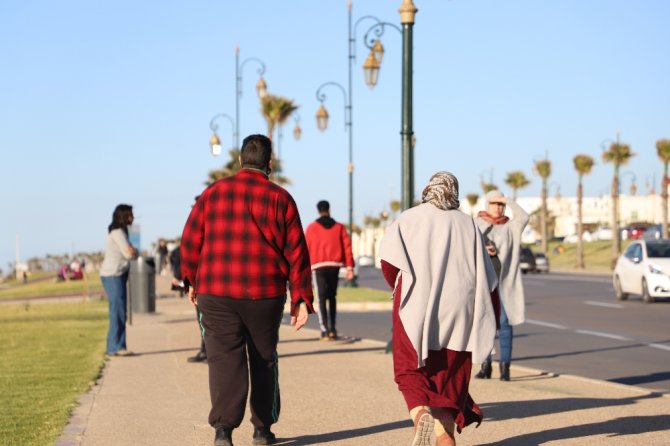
[{"x": 447, "y": 279}]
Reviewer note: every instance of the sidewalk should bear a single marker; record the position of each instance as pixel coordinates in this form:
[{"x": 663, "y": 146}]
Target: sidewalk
[{"x": 341, "y": 393}]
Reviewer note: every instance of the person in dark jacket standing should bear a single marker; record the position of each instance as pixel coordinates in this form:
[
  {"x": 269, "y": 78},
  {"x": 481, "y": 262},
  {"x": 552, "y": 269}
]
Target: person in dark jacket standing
[
  {"x": 329, "y": 249},
  {"x": 242, "y": 243}
]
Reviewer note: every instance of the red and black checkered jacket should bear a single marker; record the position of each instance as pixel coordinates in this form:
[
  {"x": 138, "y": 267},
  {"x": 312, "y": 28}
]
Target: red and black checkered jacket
[{"x": 244, "y": 240}]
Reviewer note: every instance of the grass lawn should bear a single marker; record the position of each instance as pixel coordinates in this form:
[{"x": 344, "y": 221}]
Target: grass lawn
[
  {"x": 597, "y": 256},
  {"x": 361, "y": 294},
  {"x": 49, "y": 287},
  {"x": 50, "y": 354}
]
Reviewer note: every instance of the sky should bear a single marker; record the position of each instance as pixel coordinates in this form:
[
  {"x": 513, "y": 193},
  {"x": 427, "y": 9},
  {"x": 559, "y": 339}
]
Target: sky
[{"x": 107, "y": 102}]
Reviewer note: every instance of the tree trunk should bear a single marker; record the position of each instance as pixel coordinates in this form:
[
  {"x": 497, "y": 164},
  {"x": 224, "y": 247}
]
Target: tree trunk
[
  {"x": 543, "y": 217},
  {"x": 616, "y": 237},
  {"x": 580, "y": 226},
  {"x": 664, "y": 196}
]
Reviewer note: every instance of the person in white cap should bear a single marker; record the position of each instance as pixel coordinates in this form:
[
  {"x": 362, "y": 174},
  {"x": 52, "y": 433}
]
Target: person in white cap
[{"x": 502, "y": 235}]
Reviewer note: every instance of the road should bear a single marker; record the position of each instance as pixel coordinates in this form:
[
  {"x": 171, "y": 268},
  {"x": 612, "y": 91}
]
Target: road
[{"x": 573, "y": 326}]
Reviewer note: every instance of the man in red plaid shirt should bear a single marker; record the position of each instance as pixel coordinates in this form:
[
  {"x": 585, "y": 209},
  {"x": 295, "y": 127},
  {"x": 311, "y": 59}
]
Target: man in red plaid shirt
[{"x": 241, "y": 244}]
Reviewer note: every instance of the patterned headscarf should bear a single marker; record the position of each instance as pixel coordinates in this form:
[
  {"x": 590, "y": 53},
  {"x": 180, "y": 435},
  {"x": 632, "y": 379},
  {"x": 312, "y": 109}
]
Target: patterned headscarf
[{"x": 442, "y": 191}]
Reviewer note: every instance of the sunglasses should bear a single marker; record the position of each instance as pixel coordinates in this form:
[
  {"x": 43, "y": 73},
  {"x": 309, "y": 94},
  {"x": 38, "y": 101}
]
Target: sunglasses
[{"x": 497, "y": 202}]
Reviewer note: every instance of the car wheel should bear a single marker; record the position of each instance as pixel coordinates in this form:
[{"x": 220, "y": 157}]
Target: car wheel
[
  {"x": 645, "y": 291},
  {"x": 618, "y": 292}
]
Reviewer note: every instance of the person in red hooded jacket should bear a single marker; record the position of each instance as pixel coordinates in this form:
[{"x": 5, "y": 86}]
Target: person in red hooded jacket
[{"x": 329, "y": 248}]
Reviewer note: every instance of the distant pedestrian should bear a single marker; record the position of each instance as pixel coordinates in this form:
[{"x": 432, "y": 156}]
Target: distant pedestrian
[
  {"x": 504, "y": 236},
  {"x": 114, "y": 277},
  {"x": 162, "y": 256},
  {"x": 444, "y": 309},
  {"x": 329, "y": 249},
  {"x": 242, "y": 243}
]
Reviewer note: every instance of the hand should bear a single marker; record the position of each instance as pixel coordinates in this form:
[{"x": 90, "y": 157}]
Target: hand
[
  {"x": 192, "y": 297},
  {"x": 350, "y": 274},
  {"x": 299, "y": 316},
  {"x": 491, "y": 250}
]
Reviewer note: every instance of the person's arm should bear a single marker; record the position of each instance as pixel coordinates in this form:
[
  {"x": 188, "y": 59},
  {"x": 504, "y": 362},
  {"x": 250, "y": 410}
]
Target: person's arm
[
  {"x": 191, "y": 244},
  {"x": 300, "y": 272},
  {"x": 127, "y": 250},
  {"x": 348, "y": 255},
  {"x": 520, "y": 217}
]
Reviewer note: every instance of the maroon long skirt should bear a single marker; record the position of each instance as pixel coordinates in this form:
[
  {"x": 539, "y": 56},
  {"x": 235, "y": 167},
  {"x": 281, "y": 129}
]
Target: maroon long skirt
[{"x": 443, "y": 382}]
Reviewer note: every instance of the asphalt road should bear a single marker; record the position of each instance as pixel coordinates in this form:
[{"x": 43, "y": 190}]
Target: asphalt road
[{"x": 573, "y": 326}]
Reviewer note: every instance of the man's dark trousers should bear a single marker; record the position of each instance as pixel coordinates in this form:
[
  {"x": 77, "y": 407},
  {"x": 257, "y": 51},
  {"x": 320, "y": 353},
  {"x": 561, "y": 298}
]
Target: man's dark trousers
[
  {"x": 326, "y": 279},
  {"x": 233, "y": 328}
]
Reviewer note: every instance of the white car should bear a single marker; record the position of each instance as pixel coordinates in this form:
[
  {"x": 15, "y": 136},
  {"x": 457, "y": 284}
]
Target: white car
[{"x": 643, "y": 269}]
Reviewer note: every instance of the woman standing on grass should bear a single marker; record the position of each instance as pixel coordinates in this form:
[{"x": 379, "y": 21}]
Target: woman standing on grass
[{"x": 114, "y": 276}]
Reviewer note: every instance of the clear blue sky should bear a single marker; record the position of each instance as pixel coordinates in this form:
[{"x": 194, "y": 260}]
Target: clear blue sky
[{"x": 109, "y": 102}]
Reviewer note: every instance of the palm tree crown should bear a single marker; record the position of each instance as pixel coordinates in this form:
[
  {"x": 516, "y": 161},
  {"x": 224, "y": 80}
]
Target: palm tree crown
[
  {"x": 516, "y": 180},
  {"x": 618, "y": 154},
  {"x": 583, "y": 164},
  {"x": 276, "y": 110}
]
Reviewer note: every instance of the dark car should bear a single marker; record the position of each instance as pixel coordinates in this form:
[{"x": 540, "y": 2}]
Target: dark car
[
  {"x": 527, "y": 260},
  {"x": 541, "y": 262},
  {"x": 652, "y": 232}
]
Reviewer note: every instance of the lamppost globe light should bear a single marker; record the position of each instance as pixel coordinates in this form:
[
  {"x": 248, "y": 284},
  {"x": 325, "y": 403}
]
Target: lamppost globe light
[
  {"x": 371, "y": 70},
  {"x": 322, "y": 118},
  {"x": 297, "y": 131},
  {"x": 378, "y": 50},
  {"x": 261, "y": 88},
  {"x": 215, "y": 144}
]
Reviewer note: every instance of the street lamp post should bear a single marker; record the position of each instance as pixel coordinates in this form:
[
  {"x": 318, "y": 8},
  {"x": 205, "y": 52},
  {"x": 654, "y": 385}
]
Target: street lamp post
[
  {"x": 616, "y": 236},
  {"x": 371, "y": 67},
  {"x": 322, "y": 123},
  {"x": 261, "y": 88},
  {"x": 215, "y": 141},
  {"x": 407, "y": 11},
  {"x": 633, "y": 186},
  {"x": 322, "y": 115}
]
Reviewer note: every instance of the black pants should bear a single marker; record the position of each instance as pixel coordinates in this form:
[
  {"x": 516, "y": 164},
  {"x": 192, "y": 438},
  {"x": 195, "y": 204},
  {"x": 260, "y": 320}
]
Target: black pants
[
  {"x": 198, "y": 315},
  {"x": 325, "y": 280},
  {"x": 237, "y": 331}
]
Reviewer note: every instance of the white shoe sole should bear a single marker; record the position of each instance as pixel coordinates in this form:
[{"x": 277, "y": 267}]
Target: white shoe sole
[{"x": 424, "y": 429}]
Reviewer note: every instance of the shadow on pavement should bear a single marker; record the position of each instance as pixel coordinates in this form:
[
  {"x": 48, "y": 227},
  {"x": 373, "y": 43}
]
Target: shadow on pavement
[
  {"x": 643, "y": 379},
  {"x": 161, "y": 352},
  {"x": 346, "y": 434},
  {"x": 617, "y": 427},
  {"x": 506, "y": 410},
  {"x": 334, "y": 350}
]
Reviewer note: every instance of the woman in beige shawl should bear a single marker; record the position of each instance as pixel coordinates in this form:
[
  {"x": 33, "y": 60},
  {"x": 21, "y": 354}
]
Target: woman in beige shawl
[{"x": 444, "y": 314}]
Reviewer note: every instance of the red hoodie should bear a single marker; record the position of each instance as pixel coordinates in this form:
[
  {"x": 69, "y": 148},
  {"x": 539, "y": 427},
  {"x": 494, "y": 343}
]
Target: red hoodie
[{"x": 328, "y": 244}]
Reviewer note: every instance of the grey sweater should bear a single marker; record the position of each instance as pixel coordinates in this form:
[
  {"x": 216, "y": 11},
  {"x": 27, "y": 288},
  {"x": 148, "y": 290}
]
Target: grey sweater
[
  {"x": 117, "y": 258},
  {"x": 507, "y": 240}
]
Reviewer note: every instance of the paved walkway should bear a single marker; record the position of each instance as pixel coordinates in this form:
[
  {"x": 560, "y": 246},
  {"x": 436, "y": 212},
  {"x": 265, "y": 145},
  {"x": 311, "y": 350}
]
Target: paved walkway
[{"x": 342, "y": 393}]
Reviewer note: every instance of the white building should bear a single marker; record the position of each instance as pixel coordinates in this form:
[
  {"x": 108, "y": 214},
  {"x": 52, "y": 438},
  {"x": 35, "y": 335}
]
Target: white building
[{"x": 596, "y": 211}]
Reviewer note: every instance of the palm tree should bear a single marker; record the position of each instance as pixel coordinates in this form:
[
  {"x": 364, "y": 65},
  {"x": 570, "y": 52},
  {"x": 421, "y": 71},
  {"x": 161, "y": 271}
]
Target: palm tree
[
  {"x": 395, "y": 207},
  {"x": 543, "y": 169},
  {"x": 472, "y": 201},
  {"x": 516, "y": 180},
  {"x": 488, "y": 187},
  {"x": 663, "y": 150},
  {"x": 276, "y": 110},
  {"x": 619, "y": 155},
  {"x": 583, "y": 165}
]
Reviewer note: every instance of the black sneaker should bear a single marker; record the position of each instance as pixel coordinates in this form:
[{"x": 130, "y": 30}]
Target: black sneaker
[
  {"x": 201, "y": 356},
  {"x": 223, "y": 437},
  {"x": 263, "y": 435}
]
